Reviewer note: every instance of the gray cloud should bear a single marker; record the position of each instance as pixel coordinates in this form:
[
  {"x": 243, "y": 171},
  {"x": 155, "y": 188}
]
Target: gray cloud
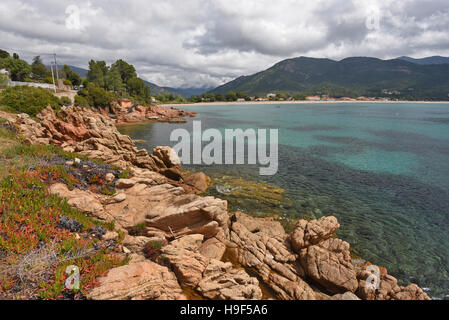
[{"x": 206, "y": 43}]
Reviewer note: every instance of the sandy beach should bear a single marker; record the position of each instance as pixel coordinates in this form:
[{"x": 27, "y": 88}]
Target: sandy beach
[{"x": 221, "y": 103}]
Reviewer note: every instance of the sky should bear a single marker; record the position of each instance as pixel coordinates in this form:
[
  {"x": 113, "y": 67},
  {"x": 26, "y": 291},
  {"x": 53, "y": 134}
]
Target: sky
[{"x": 205, "y": 43}]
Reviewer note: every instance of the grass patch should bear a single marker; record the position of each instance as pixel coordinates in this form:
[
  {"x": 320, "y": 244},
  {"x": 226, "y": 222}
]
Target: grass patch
[{"x": 125, "y": 174}]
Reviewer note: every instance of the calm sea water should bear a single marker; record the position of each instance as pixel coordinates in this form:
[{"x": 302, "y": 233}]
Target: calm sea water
[{"x": 381, "y": 169}]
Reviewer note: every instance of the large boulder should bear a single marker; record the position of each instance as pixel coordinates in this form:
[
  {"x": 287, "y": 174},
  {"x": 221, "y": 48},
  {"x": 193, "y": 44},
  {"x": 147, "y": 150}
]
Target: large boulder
[
  {"x": 199, "y": 181},
  {"x": 269, "y": 256},
  {"x": 308, "y": 233},
  {"x": 329, "y": 264},
  {"x": 186, "y": 264},
  {"x": 221, "y": 281},
  {"x": 188, "y": 214},
  {"x": 139, "y": 280}
]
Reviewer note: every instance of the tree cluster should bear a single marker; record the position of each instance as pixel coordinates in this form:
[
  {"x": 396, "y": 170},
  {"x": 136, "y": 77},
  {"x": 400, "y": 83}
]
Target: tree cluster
[{"x": 120, "y": 78}]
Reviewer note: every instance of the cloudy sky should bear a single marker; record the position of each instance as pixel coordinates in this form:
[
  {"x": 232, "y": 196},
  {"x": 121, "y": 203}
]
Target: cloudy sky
[{"x": 199, "y": 43}]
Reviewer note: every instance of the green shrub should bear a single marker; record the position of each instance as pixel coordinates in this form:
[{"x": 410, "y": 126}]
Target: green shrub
[
  {"x": 96, "y": 96},
  {"x": 31, "y": 100},
  {"x": 81, "y": 101},
  {"x": 66, "y": 101}
]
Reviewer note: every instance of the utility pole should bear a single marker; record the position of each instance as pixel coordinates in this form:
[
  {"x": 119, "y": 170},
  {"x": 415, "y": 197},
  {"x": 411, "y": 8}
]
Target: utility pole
[
  {"x": 53, "y": 76},
  {"x": 56, "y": 68}
]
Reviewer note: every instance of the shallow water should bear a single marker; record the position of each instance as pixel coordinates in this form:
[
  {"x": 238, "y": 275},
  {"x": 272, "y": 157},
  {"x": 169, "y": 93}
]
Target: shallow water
[{"x": 381, "y": 169}]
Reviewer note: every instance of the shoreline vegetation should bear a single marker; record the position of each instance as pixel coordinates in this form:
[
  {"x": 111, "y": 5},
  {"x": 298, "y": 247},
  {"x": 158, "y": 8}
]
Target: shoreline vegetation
[{"x": 164, "y": 239}]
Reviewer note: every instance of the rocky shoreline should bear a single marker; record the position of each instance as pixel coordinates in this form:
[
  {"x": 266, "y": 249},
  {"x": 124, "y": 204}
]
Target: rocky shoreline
[{"x": 182, "y": 245}]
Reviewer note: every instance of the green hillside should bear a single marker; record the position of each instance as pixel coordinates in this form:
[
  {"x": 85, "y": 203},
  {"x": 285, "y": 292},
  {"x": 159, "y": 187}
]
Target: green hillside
[{"x": 349, "y": 77}]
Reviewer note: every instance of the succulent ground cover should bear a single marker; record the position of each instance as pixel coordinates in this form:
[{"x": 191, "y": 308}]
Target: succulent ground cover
[{"x": 40, "y": 234}]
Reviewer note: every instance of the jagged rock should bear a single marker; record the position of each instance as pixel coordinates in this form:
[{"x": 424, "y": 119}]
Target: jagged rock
[
  {"x": 144, "y": 280},
  {"x": 411, "y": 292},
  {"x": 166, "y": 156},
  {"x": 213, "y": 248},
  {"x": 269, "y": 256},
  {"x": 199, "y": 181},
  {"x": 190, "y": 242},
  {"x": 329, "y": 264},
  {"x": 388, "y": 288},
  {"x": 308, "y": 233},
  {"x": 139, "y": 201},
  {"x": 186, "y": 264},
  {"x": 189, "y": 214},
  {"x": 221, "y": 281}
]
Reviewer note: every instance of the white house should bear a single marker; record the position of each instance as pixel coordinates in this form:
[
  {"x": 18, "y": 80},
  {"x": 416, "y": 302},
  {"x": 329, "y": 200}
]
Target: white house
[{"x": 271, "y": 95}]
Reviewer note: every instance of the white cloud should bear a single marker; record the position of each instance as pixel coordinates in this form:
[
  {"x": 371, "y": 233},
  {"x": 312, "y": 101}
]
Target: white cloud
[{"x": 205, "y": 43}]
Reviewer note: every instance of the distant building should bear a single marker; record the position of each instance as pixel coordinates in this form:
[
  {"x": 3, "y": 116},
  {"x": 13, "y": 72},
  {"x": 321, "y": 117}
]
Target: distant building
[
  {"x": 313, "y": 98},
  {"x": 240, "y": 100},
  {"x": 271, "y": 95}
]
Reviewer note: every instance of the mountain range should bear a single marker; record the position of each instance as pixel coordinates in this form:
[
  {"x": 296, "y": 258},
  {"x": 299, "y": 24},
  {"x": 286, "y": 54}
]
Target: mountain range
[{"x": 355, "y": 76}]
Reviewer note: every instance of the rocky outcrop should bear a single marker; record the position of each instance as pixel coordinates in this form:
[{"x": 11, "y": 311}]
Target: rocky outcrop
[
  {"x": 310, "y": 263},
  {"x": 139, "y": 280},
  {"x": 385, "y": 287},
  {"x": 94, "y": 135},
  {"x": 307, "y": 233},
  {"x": 221, "y": 281},
  {"x": 329, "y": 264},
  {"x": 188, "y": 214},
  {"x": 124, "y": 111},
  {"x": 188, "y": 265},
  {"x": 266, "y": 252}
]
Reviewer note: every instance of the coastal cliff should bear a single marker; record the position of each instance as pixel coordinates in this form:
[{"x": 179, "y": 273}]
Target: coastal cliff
[{"x": 180, "y": 245}]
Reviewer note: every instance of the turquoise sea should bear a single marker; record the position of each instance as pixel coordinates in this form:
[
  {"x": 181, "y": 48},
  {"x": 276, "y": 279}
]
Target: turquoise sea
[{"x": 381, "y": 169}]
